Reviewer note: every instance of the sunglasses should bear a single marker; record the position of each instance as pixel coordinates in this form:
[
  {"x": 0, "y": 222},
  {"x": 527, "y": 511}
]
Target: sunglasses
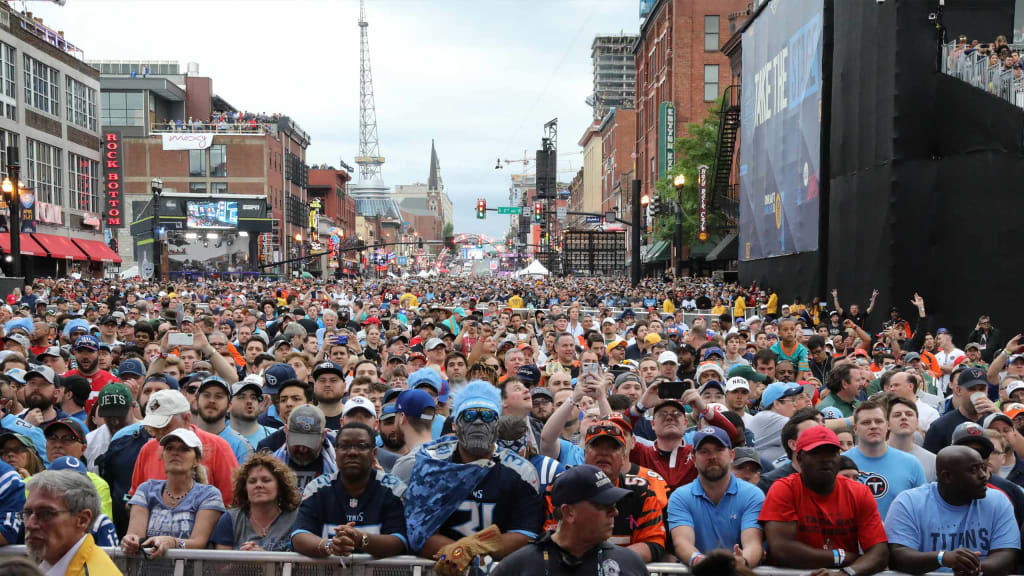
[
  {"x": 472, "y": 415},
  {"x": 604, "y": 429}
]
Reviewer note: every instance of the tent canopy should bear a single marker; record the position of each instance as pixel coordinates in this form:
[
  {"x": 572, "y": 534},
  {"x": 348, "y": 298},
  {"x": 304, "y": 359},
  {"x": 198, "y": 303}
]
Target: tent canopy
[{"x": 534, "y": 269}]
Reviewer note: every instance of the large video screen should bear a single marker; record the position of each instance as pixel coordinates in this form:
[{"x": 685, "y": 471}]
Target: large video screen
[
  {"x": 780, "y": 130},
  {"x": 212, "y": 214}
]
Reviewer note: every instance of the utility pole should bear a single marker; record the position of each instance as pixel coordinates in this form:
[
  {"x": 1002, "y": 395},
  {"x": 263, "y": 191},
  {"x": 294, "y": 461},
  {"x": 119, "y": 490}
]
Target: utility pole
[
  {"x": 634, "y": 233},
  {"x": 10, "y": 186},
  {"x": 157, "y": 186},
  {"x": 677, "y": 263}
]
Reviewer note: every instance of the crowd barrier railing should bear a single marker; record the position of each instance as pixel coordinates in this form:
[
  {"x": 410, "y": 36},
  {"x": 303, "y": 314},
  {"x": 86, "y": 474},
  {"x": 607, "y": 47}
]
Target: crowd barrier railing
[
  {"x": 975, "y": 69},
  {"x": 235, "y": 563}
]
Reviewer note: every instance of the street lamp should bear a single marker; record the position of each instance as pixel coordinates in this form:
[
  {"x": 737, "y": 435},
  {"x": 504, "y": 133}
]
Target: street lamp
[
  {"x": 157, "y": 186},
  {"x": 679, "y": 182},
  {"x": 10, "y": 186}
]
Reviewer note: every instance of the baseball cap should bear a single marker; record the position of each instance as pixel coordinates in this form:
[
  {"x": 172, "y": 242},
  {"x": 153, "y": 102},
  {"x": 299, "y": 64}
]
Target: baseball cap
[
  {"x": 76, "y": 384},
  {"x": 214, "y": 381},
  {"x": 132, "y": 366},
  {"x": 652, "y": 338},
  {"x": 108, "y": 319},
  {"x": 187, "y": 436},
  {"x": 585, "y": 483},
  {"x": 968, "y": 432},
  {"x": 328, "y": 367},
  {"x": 251, "y": 382},
  {"x": 737, "y": 383},
  {"x": 1013, "y": 409},
  {"x": 777, "y": 390},
  {"x": 433, "y": 343},
  {"x": 115, "y": 399},
  {"x": 744, "y": 454},
  {"x": 53, "y": 351},
  {"x": 748, "y": 372},
  {"x": 941, "y": 331},
  {"x": 814, "y": 437},
  {"x": 911, "y": 356},
  {"x": 427, "y": 377},
  {"x": 994, "y": 417},
  {"x": 414, "y": 404},
  {"x": 16, "y": 374},
  {"x": 359, "y": 403},
  {"x": 20, "y": 339},
  {"x": 831, "y": 413},
  {"x": 711, "y": 384},
  {"x": 615, "y": 343},
  {"x": 974, "y": 345},
  {"x": 87, "y": 342},
  {"x": 972, "y": 377},
  {"x": 1014, "y": 386},
  {"x": 605, "y": 429},
  {"x": 668, "y": 357},
  {"x": 712, "y": 351},
  {"x": 541, "y": 391},
  {"x": 529, "y": 374},
  {"x": 306, "y": 426},
  {"x": 162, "y": 406},
  {"x": 1013, "y": 358},
  {"x": 72, "y": 424},
  {"x": 69, "y": 463},
  {"x": 625, "y": 377},
  {"x": 275, "y": 375},
  {"x": 711, "y": 433},
  {"x": 44, "y": 372},
  {"x": 399, "y": 338},
  {"x": 171, "y": 381},
  {"x": 607, "y": 321}
]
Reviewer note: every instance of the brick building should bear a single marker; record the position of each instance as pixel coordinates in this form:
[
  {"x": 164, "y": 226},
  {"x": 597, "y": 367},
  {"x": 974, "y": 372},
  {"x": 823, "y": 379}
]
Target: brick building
[
  {"x": 618, "y": 133},
  {"x": 680, "y": 72}
]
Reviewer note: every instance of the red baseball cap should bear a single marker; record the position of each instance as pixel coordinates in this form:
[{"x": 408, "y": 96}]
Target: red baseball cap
[{"x": 814, "y": 437}]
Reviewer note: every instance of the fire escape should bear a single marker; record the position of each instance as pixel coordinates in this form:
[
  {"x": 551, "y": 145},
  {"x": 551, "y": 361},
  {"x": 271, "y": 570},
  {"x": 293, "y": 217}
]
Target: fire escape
[{"x": 725, "y": 197}]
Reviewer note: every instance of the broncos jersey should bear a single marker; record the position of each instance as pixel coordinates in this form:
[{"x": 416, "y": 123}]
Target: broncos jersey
[{"x": 378, "y": 510}]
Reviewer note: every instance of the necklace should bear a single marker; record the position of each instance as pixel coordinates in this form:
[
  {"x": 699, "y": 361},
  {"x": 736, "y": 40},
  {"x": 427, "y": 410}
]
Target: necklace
[
  {"x": 265, "y": 529},
  {"x": 174, "y": 500}
]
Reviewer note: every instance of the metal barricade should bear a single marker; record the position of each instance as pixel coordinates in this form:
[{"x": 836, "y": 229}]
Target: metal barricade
[
  {"x": 235, "y": 563},
  {"x": 974, "y": 69}
]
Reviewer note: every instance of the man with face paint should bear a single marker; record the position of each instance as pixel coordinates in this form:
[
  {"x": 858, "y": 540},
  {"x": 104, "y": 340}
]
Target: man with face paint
[{"x": 467, "y": 498}]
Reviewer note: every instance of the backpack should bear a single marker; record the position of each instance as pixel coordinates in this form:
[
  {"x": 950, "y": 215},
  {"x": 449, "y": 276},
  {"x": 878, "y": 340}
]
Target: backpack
[{"x": 116, "y": 467}]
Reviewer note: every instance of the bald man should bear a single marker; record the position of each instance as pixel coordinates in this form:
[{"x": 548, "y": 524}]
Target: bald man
[{"x": 956, "y": 522}]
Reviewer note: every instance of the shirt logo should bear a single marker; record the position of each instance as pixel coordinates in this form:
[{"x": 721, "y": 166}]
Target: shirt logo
[{"x": 877, "y": 483}]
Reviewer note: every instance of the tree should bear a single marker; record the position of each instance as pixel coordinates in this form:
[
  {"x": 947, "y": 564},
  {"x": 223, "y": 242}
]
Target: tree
[
  {"x": 697, "y": 148},
  {"x": 449, "y": 230}
]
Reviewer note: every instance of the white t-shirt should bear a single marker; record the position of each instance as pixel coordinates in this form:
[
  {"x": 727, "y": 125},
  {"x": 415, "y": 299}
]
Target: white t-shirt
[
  {"x": 946, "y": 359},
  {"x": 925, "y": 415}
]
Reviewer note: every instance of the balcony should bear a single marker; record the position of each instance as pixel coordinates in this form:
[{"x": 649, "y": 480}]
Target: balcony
[{"x": 225, "y": 128}]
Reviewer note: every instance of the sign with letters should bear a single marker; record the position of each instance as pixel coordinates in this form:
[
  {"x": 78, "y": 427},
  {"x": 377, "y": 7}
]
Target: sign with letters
[
  {"x": 113, "y": 176},
  {"x": 187, "y": 140}
]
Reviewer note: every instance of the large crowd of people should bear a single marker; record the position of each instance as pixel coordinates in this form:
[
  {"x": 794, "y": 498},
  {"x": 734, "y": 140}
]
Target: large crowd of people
[{"x": 514, "y": 426}]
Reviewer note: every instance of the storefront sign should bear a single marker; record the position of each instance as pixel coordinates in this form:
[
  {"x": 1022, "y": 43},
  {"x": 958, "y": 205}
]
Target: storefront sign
[
  {"x": 187, "y": 140},
  {"x": 702, "y": 215},
  {"x": 113, "y": 175},
  {"x": 91, "y": 220},
  {"x": 666, "y": 138},
  {"x": 49, "y": 213},
  {"x": 314, "y": 221}
]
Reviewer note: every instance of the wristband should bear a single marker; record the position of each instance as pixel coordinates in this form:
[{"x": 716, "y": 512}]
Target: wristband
[
  {"x": 327, "y": 547},
  {"x": 181, "y": 543},
  {"x": 694, "y": 556},
  {"x": 640, "y": 407},
  {"x": 848, "y": 424},
  {"x": 842, "y": 556},
  {"x": 941, "y": 552}
]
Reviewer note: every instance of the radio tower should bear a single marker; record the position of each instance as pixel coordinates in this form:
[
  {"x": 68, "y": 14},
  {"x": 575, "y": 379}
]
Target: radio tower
[{"x": 369, "y": 159}]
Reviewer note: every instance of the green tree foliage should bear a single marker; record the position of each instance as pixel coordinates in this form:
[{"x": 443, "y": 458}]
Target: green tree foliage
[
  {"x": 449, "y": 230},
  {"x": 698, "y": 147}
]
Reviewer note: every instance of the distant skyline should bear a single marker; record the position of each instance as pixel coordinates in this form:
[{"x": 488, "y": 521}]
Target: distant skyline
[{"x": 480, "y": 78}]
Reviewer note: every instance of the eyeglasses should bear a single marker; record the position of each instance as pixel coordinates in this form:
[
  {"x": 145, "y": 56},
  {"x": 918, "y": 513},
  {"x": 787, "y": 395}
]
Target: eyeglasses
[
  {"x": 666, "y": 414},
  {"x": 192, "y": 389},
  {"x": 360, "y": 447},
  {"x": 604, "y": 429},
  {"x": 63, "y": 439},
  {"x": 44, "y": 514},
  {"x": 472, "y": 415}
]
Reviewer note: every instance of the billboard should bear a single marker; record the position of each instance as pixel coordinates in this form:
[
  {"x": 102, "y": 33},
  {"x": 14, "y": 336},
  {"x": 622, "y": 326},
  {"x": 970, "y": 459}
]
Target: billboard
[
  {"x": 780, "y": 130},
  {"x": 212, "y": 214},
  {"x": 113, "y": 175}
]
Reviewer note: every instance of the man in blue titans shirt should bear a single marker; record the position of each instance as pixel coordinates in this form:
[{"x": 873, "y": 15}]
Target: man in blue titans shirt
[
  {"x": 467, "y": 498},
  {"x": 355, "y": 511}
]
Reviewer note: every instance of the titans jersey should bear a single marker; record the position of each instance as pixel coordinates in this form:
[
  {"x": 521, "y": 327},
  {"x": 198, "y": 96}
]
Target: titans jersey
[
  {"x": 506, "y": 496},
  {"x": 379, "y": 510}
]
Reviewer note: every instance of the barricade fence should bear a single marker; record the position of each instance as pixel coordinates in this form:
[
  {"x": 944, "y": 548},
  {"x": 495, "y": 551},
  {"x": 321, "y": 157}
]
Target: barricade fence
[
  {"x": 235, "y": 563},
  {"x": 976, "y": 70}
]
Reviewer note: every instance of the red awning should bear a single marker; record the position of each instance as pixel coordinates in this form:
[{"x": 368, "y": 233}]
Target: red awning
[
  {"x": 29, "y": 247},
  {"x": 59, "y": 247},
  {"x": 97, "y": 251}
]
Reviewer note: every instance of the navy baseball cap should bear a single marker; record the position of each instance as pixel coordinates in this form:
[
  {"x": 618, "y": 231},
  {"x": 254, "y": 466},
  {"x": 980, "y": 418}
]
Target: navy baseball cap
[
  {"x": 413, "y": 403},
  {"x": 711, "y": 433},
  {"x": 131, "y": 366},
  {"x": 528, "y": 374},
  {"x": 326, "y": 367},
  {"x": 585, "y": 483},
  {"x": 276, "y": 375},
  {"x": 972, "y": 377},
  {"x": 171, "y": 381},
  {"x": 87, "y": 342},
  {"x": 713, "y": 351}
]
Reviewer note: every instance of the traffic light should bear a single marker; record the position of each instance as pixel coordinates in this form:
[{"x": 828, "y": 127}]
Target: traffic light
[
  {"x": 419, "y": 243},
  {"x": 481, "y": 208},
  {"x": 538, "y": 212},
  {"x": 655, "y": 205}
]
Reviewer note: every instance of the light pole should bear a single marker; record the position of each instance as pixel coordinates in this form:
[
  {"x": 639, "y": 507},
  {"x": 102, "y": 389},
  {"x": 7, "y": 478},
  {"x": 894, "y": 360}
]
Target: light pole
[
  {"x": 10, "y": 186},
  {"x": 301, "y": 250},
  {"x": 679, "y": 182},
  {"x": 157, "y": 186}
]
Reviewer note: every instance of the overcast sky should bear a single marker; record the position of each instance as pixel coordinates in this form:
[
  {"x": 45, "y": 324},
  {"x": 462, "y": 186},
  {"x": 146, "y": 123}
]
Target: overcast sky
[{"x": 480, "y": 77}]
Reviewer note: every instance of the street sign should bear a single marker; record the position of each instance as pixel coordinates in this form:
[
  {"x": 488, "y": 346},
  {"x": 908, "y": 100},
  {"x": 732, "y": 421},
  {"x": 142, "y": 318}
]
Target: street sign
[
  {"x": 402, "y": 260},
  {"x": 562, "y": 212},
  {"x": 510, "y": 209},
  {"x": 593, "y": 220}
]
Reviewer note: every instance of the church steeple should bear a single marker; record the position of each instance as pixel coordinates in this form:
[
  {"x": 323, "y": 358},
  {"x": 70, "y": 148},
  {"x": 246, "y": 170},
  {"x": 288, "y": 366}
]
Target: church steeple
[{"x": 434, "y": 180}]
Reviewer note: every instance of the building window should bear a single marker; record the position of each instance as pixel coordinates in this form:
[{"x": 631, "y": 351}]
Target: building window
[
  {"x": 81, "y": 104},
  {"x": 6, "y": 139},
  {"x": 197, "y": 162},
  {"x": 123, "y": 108},
  {"x": 42, "y": 86},
  {"x": 219, "y": 188},
  {"x": 83, "y": 183},
  {"x": 8, "y": 83},
  {"x": 197, "y": 187},
  {"x": 711, "y": 35},
  {"x": 43, "y": 174},
  {"x": 219, "y": 160},
  {"x": 710, "y": 82}
]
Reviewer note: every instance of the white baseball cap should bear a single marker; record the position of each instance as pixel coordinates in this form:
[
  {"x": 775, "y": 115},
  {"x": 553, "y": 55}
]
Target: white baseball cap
[
  {"x": 185, "y": 435},
  {"x": 668, "y": 357},
  {"x": 162, "y": 406},
  {"x": 1014, "y": 386},
  {"x": 359, "y": 403},
  {"x": 737, "y": 383}
]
